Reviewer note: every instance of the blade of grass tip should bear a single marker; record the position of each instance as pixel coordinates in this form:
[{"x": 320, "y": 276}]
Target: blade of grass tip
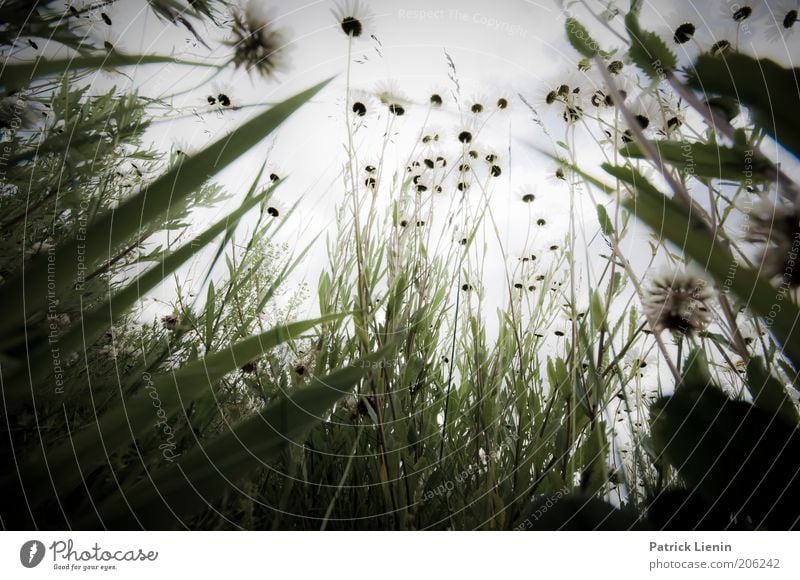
[
  {"x": 229, "y": 234},
  {"x": 122, "y": 424},
  {"x": 93, "y": 324},
  {"x": 22, "y": 74},
  {"x": 55, "y": 272}
]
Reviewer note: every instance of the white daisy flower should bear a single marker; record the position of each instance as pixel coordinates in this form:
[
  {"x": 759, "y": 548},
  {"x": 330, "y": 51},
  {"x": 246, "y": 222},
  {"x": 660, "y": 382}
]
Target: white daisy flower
[
  {"x": 477, "y": 104},
  {"x": 782, "y": 19},
  {"x": 275, "y": 208},
  {"x": 354, "y": 18},
  {"x": 741, "y": 12},
  {"x": 395, "y": 100}
]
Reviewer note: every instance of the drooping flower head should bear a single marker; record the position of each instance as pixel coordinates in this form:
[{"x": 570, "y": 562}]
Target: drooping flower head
[
  {"x": 678, "y": 302},
  {"x": 257, "y": 44}
]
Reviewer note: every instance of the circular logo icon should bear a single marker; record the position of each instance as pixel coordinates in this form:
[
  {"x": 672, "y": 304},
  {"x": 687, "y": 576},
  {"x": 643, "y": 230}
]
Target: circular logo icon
[{"x": 31, "y": 553}]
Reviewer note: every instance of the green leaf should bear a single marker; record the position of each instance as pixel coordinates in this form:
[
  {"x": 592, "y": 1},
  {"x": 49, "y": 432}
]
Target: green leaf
[
  {"x": 598, "y": 311},
  {"x": 580, "y": 39},
  {"x": 768, "y": 394},
  {"x": 605, "y": 223},
  {"x": 53, "y": 274},
  {"x": 648, "y": 50},
  {"x": 725, "y": 107},
  {"x": 707, "y": 159},
  {"x": 735, "y": 455},
  {"x": 562, "y": 511},
  {"x": 765, "y": 87},
  {"x": 592, "y": 456}
]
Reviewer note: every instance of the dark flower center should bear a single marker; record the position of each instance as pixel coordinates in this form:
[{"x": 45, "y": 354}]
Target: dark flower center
[
  {"x": 359, "y": 109},
  {"x": 465, "y": 137},
  {"x": 352, "y": 26},
  {"x": 742, "y": 13},
  {"x": 436, "y": 100},
  {"x": 720, "y": 47},
  {"x": 673, "y": 122},
  {"x": 396, "y": 109},
  {"x": 684, "y": 33},
  {"x": 790, "y": 19}
]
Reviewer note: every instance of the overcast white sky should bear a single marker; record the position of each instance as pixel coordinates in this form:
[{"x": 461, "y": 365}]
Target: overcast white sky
[{"x": 504, "y": 47}]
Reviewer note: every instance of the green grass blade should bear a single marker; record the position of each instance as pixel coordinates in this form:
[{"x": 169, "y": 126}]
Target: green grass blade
[{"x": 22, "y": 74}]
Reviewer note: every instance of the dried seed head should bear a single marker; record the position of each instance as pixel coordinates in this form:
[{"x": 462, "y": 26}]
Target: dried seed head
[
  {"x": 257, "y": 45},
  {"x": 170, "y": 321},
  {"x": 678, "y": 302}
]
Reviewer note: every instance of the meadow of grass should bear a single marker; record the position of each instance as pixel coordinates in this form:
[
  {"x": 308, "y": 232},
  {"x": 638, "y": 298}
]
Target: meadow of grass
[{"x": 636, "y": 370}]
